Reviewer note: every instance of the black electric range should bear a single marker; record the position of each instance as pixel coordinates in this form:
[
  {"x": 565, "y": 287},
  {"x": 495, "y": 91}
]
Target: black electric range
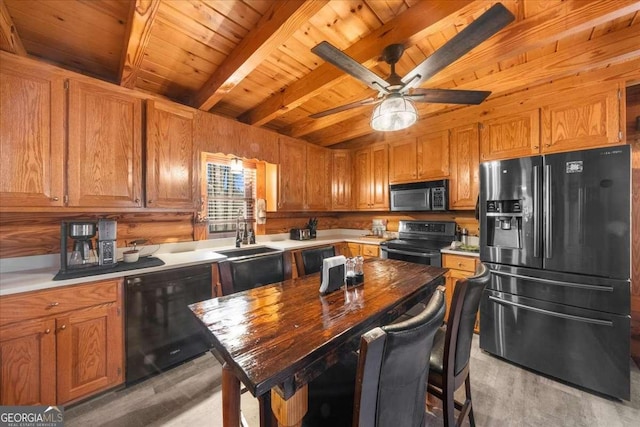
[{"x": 420, "y": 242}]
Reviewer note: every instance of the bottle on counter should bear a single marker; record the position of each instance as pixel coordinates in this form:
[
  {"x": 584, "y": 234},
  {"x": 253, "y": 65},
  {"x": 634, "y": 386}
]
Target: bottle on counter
[{"x": 251, "y": 235}]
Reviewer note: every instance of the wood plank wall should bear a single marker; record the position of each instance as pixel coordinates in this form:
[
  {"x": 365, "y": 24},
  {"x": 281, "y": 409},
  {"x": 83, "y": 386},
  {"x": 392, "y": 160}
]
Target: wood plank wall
[
  {"x": 34, "y": 233},
  {"x": 25, "y": 234}
]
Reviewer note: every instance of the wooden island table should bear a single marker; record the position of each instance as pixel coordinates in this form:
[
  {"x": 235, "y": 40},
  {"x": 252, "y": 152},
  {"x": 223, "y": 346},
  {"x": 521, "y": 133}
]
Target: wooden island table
[{"x": 277, "y": 338}]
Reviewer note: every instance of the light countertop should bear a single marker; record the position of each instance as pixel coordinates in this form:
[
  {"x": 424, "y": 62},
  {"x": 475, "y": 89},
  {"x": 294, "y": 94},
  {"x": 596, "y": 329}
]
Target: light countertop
[
  {"x": 459, "y": 252},
  {"x": 36, "y": 273}
]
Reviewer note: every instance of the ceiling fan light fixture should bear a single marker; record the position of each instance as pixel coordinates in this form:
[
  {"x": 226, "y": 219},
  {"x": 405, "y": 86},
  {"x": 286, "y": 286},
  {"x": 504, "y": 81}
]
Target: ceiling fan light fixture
[{"x": 394, "y": 113}]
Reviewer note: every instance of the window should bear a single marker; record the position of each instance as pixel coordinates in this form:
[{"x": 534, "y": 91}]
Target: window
[{"x": 229, "y": 194}]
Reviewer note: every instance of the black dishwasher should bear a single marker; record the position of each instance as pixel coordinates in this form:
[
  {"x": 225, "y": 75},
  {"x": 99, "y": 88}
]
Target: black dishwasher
[{"x": 161, "y": 330}]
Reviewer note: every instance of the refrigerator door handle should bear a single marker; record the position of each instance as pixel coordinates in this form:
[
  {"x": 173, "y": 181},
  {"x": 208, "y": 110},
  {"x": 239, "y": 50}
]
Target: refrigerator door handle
[
  {"x": 555, "y": 282},
  {"x": 534, "y": 214},
  {"x": 553, "y": 313},
  {"x": 547, "y": 212}
]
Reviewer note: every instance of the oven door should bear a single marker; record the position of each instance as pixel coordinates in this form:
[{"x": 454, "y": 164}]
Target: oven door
[{"x": 415, "y": 256}]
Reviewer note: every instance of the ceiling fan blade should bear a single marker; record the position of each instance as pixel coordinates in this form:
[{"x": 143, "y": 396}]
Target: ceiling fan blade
[
  {"x": 347, "y": 64},
  {"x": 489, "y": 23},
  {"x": 448, "y": 96},
  {"x": 369, "y": 101}
]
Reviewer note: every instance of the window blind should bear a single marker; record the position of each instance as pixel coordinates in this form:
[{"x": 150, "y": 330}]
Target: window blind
[{"x": 229, "y": 194}]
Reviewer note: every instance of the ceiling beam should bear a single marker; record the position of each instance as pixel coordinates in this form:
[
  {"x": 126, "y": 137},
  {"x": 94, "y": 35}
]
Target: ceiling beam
[
  {"x": 563, "y": 20},
  {"x": 9, "y": 39},
  {"x": 277, "y": 25},
  {"x": 141, "y": 19},
  {"x": 606, "y": 51},
  {"x": 408, "y": 27}
]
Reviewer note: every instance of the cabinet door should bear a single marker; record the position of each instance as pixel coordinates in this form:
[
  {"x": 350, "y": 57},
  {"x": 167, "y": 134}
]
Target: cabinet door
[
  {"x": 380, "y": 177},
  {"x": 31, "y": 136},
  {"x": 317, "y": 192},
  {"x": 105, "y": 147},
  {"x": 362, "y": 171},
  {"x": 403, "y": 165},
  {"x": 582, "y": 123},
  {"x": 465, "y": 165},
  {"x": 341, "y": 181},
  {"x": 517, "y": 135},
  {"x": 171, "y": 161},
  {"x": 355, "y": 249},
  {"x": 291, "y": 175},
  {"x": 433, "y": 156},
  {"x": 89, "y": 351},
  {"x": 27, "y": 352},
  {"x": 370, "y": 251}
]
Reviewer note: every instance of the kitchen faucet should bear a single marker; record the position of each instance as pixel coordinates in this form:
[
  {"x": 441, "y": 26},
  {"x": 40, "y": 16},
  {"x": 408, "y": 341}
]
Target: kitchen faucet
[{"x": 238, "y": 235}]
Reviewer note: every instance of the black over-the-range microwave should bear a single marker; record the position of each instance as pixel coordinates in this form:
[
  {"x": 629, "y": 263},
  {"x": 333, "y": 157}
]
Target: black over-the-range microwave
[{"x": 420, "y": 196}]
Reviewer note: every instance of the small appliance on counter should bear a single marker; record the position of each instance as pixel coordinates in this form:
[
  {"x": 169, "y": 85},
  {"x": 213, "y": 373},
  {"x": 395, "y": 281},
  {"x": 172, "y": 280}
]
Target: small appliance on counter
[
  {"x": 300, "y": 234},
  {"x": 84, "y": 260}
]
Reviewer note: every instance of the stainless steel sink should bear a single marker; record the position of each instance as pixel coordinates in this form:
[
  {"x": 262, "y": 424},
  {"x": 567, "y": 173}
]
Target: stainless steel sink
[{"x": 247, "y": 252}]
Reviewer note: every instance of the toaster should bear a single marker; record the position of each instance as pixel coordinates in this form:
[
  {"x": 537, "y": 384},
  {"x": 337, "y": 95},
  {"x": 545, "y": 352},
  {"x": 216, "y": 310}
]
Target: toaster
[{"x": 300, "y": 234}]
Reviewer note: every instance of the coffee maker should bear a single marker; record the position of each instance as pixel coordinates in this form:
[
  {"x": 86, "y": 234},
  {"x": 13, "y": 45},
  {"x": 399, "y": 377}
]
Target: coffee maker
[
  {"x": 83, "y": 255},
  {"x": 82, "y": 234},
  {"x": 107, "y": 231}
]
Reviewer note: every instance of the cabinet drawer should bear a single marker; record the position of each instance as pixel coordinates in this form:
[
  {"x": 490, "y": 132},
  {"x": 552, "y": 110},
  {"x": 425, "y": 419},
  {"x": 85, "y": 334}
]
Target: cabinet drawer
[
  {"x": 15, "y": 308},
  {"x": 458, "y": 262},
  {"x": 370, "y": 250}
]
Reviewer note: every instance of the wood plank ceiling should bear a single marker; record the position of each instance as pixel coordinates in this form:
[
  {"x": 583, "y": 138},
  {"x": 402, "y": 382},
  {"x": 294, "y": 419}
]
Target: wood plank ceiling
[{"x": 251, "y": 59}]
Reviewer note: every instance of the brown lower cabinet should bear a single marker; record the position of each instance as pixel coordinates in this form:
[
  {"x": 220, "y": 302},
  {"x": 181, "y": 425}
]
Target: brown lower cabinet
[
  {"x": 460, "y": 267},
  {"x": 61, "y": 345}
]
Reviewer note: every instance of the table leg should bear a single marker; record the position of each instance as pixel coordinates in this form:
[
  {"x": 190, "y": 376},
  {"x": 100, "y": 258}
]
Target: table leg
[
  {"x": 290, "y": 412},
  {"x": 230, "y": 398}
]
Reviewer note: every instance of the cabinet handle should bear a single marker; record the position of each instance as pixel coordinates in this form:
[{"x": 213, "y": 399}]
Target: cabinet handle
[
  {"x": 54, "y": 304},
  {"x": 55, "y": 198},
  {"x": 137, "y": 201},
  {"x": 535, "y": 147},
  {"x": 459, "y": 264},
  {"x": 149, "y": 201},
  {"x": 547, "y": 145},
  {"x": 47, "y": 331},
  {"x": 63, "y": 327}
]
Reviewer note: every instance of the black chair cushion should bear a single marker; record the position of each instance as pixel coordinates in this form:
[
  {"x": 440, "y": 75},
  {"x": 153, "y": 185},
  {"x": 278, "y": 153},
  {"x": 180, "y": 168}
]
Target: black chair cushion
[
  {"x": 312, "y": 258},
  {"x": 258, "y": 271},
  {"x": 436, "y": 361}
]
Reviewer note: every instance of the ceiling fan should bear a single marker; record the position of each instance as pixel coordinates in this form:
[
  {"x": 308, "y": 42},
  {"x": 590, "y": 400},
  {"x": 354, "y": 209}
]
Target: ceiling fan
[{"x": 395, "y": 109}]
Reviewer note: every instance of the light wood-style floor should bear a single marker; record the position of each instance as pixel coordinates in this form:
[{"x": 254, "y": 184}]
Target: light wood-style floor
[{"x": 503, "y": 395}]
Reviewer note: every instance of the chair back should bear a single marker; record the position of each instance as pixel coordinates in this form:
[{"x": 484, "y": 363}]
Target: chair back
[
  {"x": 243, "y": 274},
  {"x": 309, "y": 261},
  {"x": 462, "y": 318},
  {"x": 393, "y": 368}
]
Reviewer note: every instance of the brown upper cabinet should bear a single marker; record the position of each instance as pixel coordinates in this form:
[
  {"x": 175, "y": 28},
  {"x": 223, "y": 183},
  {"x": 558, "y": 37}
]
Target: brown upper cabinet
[
  {"x": 371, "y": 168},
  {"x": 403, "y": 162},
  {"x": 317, "y": 194},
  {"x": 105, "y": 147},
  {"x": 433, "y": 156},
  {"x": 580, "y": 122},
  {"x": 171, "y": 172},
  {"x": 515, "y": 135},
  {"x": 304, "y": 180},
  {"x": 419, "y": 159},
  {"x": 291, "y": 172},
  {"x": 341, "y": 199},
  {"x": 465, "y": 167},
  {"x": 32, "y": 142}
]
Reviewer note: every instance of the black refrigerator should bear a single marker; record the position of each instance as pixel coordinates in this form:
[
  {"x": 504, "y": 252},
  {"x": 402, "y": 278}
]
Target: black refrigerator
[{"x": 555, "y": 230}]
